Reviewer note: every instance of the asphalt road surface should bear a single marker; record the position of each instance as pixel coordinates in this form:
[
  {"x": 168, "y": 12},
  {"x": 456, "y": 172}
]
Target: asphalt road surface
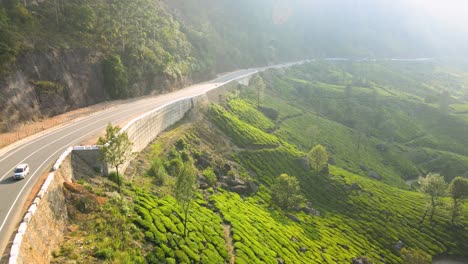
[{"x": 41, "y": 151}]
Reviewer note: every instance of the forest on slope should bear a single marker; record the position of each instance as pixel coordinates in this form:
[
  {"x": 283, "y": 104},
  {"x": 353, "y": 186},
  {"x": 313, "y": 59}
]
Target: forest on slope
[
  {"x": 360, "y": 206},
  {"x": 61, "y": 55}
]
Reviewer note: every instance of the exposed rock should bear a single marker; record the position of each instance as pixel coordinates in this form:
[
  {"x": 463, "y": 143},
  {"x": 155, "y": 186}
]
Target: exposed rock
[
  {"x": 325, "y": 170},
  {"x": 77, "y": 82},
  {"x": 252, "y": 186},
  {"x": 238, "y": 185},
  {"x": 202, "y": 182},
  {"x": 343, "y": 246},
  {"x": 303, "y": 249},
  {"x": 353, "y": 187},
  {"x": 203, "y": 161},
  {"x": 236, "y": 181},
  {"x": 363, "y": 167},
  {"x": 361, "y": 260},
  {"x": 375, "y": 175},
  {"x": 211, "y": 207},
  {"x": 294, "y": 218},
  {"x": 81, "y": 199},
  {"x": 240, "y": 189},
  {"x": 386, "y": 213},
  {"x": 280, "y": 260},
  {"x": 227, "y": 167},
  {"x": 381, "y": 147},
  {"x": 204, "y": 185},
  {"x": 399, "y": 245},
  {"x": 310, "y": 211}
]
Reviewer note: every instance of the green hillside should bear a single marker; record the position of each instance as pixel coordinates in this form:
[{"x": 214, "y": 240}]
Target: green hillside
[
  {"x": 239, "y": 150},
  {"x": 96, "y": 51}
]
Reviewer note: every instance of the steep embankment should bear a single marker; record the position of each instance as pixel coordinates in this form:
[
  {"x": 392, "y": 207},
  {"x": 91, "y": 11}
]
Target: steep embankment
[
  {"x": 237, "y": 156},
  {"x": 62, "y": 55}
]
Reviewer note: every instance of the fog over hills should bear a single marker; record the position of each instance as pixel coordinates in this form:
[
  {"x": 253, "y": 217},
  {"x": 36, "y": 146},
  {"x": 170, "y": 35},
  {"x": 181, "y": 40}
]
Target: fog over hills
[{"x": 380, "y": 28}]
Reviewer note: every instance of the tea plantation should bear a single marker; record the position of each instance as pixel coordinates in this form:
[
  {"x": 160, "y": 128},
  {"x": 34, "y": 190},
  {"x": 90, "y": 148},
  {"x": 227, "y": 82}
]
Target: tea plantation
[{"x": 358, "y": 206}]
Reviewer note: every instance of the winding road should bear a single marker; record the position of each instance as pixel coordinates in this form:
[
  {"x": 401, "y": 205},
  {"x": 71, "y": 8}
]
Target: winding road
[{"x": 41, "y": 150}]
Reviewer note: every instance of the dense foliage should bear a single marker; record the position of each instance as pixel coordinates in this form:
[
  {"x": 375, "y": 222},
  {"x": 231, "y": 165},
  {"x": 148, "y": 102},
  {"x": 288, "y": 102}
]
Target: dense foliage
[{"x": 362, "y": 209}]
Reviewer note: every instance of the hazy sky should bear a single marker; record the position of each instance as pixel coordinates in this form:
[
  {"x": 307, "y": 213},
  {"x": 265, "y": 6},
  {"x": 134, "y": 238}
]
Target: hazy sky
[
  {"x": 425, "y": 27},
  {"x": 444, "y": 9}
]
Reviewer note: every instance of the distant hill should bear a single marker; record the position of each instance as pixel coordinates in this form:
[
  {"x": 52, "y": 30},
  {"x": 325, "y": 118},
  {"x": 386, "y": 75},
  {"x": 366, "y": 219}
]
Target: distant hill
[
  {"x": 363, "y": 205},
  {"x": 61, "y": 55}
]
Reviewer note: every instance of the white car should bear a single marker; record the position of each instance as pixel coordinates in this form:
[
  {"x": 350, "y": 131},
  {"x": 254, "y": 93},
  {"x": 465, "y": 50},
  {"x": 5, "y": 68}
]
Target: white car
[{"x": 21, "y": 171}]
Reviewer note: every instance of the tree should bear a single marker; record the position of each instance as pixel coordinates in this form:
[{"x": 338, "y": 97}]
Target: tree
[
  {"x": 415, "y": 256},
  {"x": 115, "y": 77},
  {"x": 318, "y": 157},
  {"x": 116, "y": 149},
  {"x": 434, "y": 185},
  {"x": 184, "y": 190},
  {"x": 458, "y": 190},
  {"x": 286, "y": 192}
]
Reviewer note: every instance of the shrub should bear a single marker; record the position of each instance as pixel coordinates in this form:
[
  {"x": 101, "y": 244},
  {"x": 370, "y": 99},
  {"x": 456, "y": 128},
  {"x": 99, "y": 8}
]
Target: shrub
[
  {"x": 158, "y": 171},
  {"x": 174, "y": 166},
  {"x": 269, "y": 112},
  {"x": 415, "y": 256},
  {"x": 210, "y": 176},
  {"x": 114, "y": 177},
  {"x": 104, "y": 253},
  {"x": 115, "y": 77},
  {"x": 171, "y": 261},
  {"x": 181, "y": 256}
]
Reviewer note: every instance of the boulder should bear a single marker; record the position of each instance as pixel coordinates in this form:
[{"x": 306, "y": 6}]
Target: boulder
[
  {"x": 361, "y": 260},
  {"x": 203, "y": 161},
  {"x": 381, "y": 147},
  {"x": 236, "y": 184},
  {"x": 294, "y": 218},
  {"x": 253, "y": 187},
  {"x": 363, "y": 167},
  {"x": 240, "y": 189},
  {"x": 325, "y": 170},
  {"x": 310, "y": 211},
  {"x": 352, "y": 187},
  {"x": 375, "y": 175},
  {"x": 235, "y": 181},
  {"x": 204, "y": 185},
  {"x": 399, "y": 245}
]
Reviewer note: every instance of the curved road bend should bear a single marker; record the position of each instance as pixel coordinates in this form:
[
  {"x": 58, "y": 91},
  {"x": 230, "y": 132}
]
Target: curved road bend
[{"x": 42, "y": 151}]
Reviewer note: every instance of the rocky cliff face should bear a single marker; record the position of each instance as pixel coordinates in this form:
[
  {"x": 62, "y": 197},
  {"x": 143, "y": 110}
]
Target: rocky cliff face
[{"x": 50, "y": 83}]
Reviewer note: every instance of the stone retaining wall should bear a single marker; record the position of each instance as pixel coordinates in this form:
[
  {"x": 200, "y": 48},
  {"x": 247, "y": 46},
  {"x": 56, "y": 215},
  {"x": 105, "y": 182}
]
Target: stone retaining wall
[{"x": 41, "y": 230}]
